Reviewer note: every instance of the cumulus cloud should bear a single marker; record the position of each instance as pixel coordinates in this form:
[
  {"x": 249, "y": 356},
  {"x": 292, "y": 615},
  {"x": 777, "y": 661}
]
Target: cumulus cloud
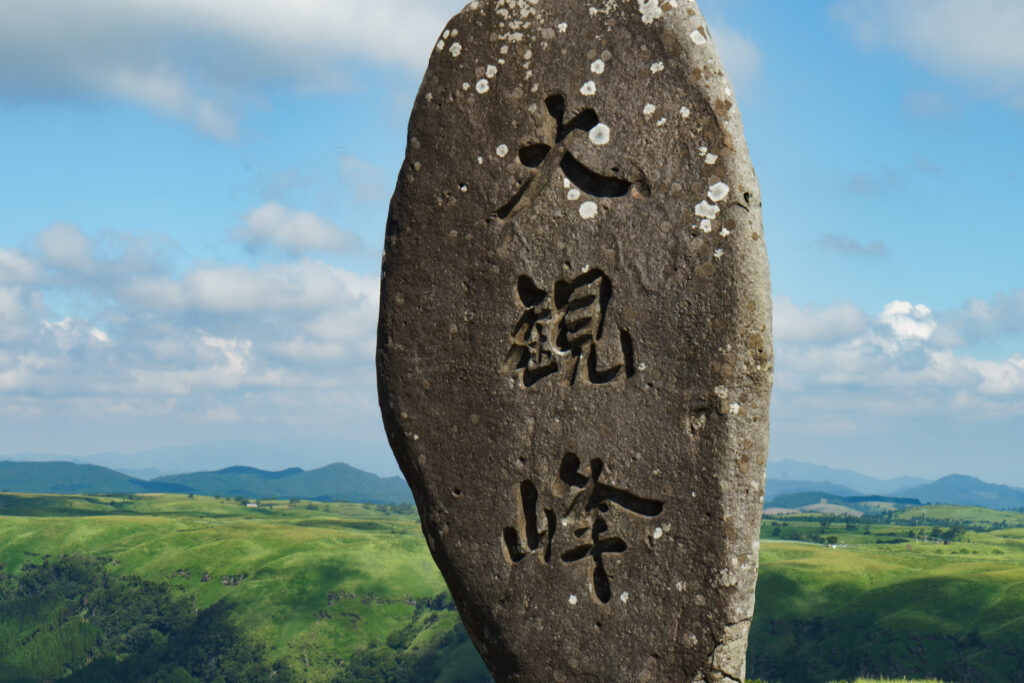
[
  {"x": 281, "y": 343},
  {"x": 16, "y": 269},
  {"x": 197, "y": 60},
  {"x": 274, "y": 225},
  {"x": 908, "y": 323},
  {"x": 66, "y": 246},
  {"x": 898, "y": 361},
  {"x": 977, "y": 43}
]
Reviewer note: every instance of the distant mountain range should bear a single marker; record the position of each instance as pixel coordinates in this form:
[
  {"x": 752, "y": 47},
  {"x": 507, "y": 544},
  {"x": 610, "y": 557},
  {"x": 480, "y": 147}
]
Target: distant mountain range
[
  {"x": 344, "y": 482},
  {"x": 370, "y": 456},
  {"x": 958, "y": 489},
  {"x": 788, "y": 478},
  {"x": 334, "y": 482},
  {"x": 854, "y": 482}
]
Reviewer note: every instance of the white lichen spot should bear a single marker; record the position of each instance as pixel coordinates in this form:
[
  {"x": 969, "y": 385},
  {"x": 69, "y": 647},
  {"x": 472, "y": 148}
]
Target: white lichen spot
[
  {"x": 650, "y": 10},
  {"x": 705, "y": 210},
  {"x": 649, "y": 109},
  {"x": 600, "y": 134},
  {"x": 480, "y": 160},
  {"x": 588, "y": 210},
  {"x": 698, "y": 37},
  {"x": 465, "y": 86},
  {"x": 685, "y": 112},
  {"x": 719, "y": 253},
  {"x": 728, "y": 91},
  {"x": 718, "y": 192},
  {"x": 722, "y": 392},
  {"x": 679, "y": 586},
  {"x": 501, "y": 151},
  {"x": 572, "y": 195},
  {"x": 710, "y": 159},
  {"x": 528, "y": 55},
  {"x": 464, "y": 188},
  {"x": 446, "y": 34},
  {"x": 657, "y": 66},
  {"x": 573, "y": 600},
  {"x": 566, "y": 183},
  {"x": 662, "y": 121},
  {"x": 705, "y": 226},
  {"x": 624, "y": 597},
  {"x": 725, "y": 232},
  {"x": 597, "y": 66},
  {"x": 429, "y": 97},
  {"x": 589, "y": 88},
  {"x": 658, "y": 533},
  {"x": 563, "y": 27},
  {"x": 702, "y": 150},
  {"x": 693, "y": 494},
  {"x": 455, "y": 49},
  {"x": 440, "y": 45},
  {"x": 483, "y": 85},
  {"x": 492, "y": 71},
  {"x": 504, "y": 49},
  {"x": 734, "y": 408}
]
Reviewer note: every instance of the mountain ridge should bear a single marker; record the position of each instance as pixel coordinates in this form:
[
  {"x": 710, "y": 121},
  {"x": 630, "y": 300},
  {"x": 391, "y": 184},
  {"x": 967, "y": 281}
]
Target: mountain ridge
[{"x": 337, "y": 481}]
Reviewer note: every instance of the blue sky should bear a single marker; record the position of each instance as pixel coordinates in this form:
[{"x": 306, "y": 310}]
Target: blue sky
[{"x": 194, "y": 196}]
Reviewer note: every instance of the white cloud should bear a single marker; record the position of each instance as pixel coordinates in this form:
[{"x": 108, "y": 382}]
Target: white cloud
[
  {"x": 908, "y": 322},
  {"x": 294, "y": 231},
  {"x": 810, "y": 323},
  {"x": 740, "y": 56},
  {"x": 197, "y": 60},
  {"x": 896, "y": 362},
  {"x": 976, "y": 42},
  {"x": 300, "y": 286},
  {"x": 65, "y": 246},
  {"x": 274, "y": 344},
  {"x": 16, "y": 269}
]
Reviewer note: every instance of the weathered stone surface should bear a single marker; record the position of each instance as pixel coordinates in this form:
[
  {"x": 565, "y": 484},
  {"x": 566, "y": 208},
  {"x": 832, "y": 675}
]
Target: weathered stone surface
[{"x": 574, "y": 352}]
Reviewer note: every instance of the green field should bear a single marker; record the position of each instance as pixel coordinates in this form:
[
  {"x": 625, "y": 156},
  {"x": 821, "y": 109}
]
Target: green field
[
  {"x": 891, "y": 598},
  {"x": 314, "y": 582},
  {"x": 338, "y": 591}
]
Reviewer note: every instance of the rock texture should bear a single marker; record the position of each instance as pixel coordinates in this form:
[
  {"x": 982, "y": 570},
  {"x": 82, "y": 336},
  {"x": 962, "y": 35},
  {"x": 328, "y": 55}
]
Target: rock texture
[{"x": 574, "y": 351}]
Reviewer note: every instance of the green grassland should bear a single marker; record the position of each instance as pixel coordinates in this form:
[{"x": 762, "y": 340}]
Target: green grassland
[
  {"x": 314, "y": 582},
  {"x": 891, "y": 598},
  {"x": 338, "y": 591}
]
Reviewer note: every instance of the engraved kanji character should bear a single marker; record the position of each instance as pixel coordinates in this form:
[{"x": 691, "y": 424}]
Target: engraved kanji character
[
  {"x": 591, "y": 500},
  {"x": 551, "y": 154}
]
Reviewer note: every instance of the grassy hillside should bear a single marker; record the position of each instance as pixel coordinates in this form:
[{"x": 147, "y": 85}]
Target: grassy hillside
[
  {"x": 331, "y": 591},
  {"x": 334, "y": 482},
  {"x": 325, "y": 587},
  {"x": 891, "y": 599}
]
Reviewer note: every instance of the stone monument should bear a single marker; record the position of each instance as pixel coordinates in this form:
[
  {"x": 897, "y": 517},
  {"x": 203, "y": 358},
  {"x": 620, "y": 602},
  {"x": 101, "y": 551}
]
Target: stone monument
[{"x": 574, "y": 354}]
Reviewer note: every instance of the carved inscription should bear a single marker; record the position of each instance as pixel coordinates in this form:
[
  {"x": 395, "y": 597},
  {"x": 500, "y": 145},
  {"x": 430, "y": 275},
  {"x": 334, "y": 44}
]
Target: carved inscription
[
  {"x": 580, "y": 502},
  {"x": 563, "y": 331},
  {"x": 552, "y": 153}
]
